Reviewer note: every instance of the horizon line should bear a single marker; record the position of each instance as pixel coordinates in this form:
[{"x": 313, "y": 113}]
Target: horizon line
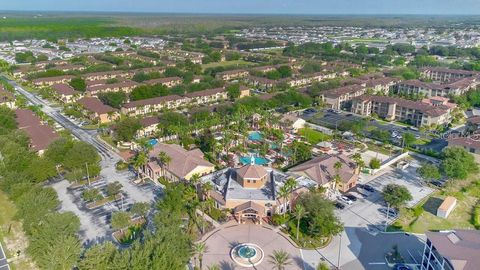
[{"x": 242, "y": 13}]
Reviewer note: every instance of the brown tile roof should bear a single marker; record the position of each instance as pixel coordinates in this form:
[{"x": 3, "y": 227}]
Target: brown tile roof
[
  {"x": 54, "y": 79},
  {"x": 470, "y": 142},
  {"x": 148, "y": 121},
  {"x": 182, "y": 161},
  {"x": 41, "y": 136},
  {"x": 322, "y": 169},
  {"x": 249, "y": 205},
  {"x": 204, "y": 93},
  {"x": 152, "y": 101},
  {"x": 451, "y": 71},
  {"x": 93, "y": 104},
  {"x": 64, "y": 89},
  {"x": 460, "y": 247},
  {"x": 251, "y": 171},
  {"x": 337, "y": 92},
  {"x": 125, "y": 84}
]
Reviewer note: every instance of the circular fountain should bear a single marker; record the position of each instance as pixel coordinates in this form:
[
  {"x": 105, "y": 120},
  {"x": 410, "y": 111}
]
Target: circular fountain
[{"x": 247, "y": 255}]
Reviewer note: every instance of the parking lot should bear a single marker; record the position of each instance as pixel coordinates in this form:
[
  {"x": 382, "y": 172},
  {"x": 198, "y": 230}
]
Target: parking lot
[{"x": 364, "y": 222}]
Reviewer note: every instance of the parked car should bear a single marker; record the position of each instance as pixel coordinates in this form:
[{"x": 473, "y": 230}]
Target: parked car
[
  {"x": 388, "y": 211},
  {"x": 339, "y": 205},
  {"x": 368, "y": 188},
  {"x": 351, "y": 197},
  {"x": 310, "y": 111},
  {"x": 401, "y": 266},
  {"x": 346, "y": 200},
  {"x": 437, "y": 183},
  {"x": 348, "y": 115}
]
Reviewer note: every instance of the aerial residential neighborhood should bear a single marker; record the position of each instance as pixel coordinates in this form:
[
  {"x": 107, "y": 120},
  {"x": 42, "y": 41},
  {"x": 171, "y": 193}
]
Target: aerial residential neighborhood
[{"x": 183, "y": 136}]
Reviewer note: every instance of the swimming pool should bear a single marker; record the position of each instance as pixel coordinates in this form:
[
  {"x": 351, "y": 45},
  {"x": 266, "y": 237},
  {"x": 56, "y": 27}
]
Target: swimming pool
[
  {"x": 153, "y": 142},
  {"x": 258, "y": 160},
  {"x": 255, "y": 136}
]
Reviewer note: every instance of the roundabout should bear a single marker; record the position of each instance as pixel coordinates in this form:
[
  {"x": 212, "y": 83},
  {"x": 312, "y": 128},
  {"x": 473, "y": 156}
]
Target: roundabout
[{"x": 247, "y": 255}]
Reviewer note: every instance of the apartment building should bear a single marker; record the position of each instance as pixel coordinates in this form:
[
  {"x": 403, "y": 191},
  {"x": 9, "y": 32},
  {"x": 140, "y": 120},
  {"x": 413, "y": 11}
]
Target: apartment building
[
  {"x": 106, "y": 75},
  {"x": 40, "y": 135},
  {"x": 168, "y": 82},
  {"x": 152, "y": 105},
  {"x": 451, "y": 250},
  {"x": 97, "y": 111},
  {"x": 65, "y": 93},
  {"x": 49, "y": 81},
  {"x": 232, "y": 74},
  {"x": 398, "y": 109},
  {"x": 207, "y": 96},
  {"x": 126, "y": 86},
  {"x": 419, "y": 88},
  {"x": 446, "y": 74},
  {"x": 149, "y": 126},
  {"x": 381, "y": 85},
  {"x": 340, "y": 98}
]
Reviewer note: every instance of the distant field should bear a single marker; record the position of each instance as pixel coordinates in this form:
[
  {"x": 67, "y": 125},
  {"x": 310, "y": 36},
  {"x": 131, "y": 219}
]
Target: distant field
[{"x": 54, "y": 28}]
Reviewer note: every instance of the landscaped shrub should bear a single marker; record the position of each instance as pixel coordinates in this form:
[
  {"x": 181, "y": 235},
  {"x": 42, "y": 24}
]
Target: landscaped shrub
[
  {"x": 476, "y": 216},
  {"x": 278, "y": 220}
]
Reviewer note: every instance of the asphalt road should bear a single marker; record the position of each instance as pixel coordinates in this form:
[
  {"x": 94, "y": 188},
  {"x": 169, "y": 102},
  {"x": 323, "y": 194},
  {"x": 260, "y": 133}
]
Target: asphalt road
[
  {"x": 3, "y": 260},
  {"x": 89, "y": 136}
]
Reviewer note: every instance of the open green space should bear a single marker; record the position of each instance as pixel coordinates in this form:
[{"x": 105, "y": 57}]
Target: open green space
[{"x": 313, "y": 136}]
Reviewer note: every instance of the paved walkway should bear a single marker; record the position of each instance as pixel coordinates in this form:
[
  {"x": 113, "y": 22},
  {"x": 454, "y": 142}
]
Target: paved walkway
[{"x": 221, "y": 241}]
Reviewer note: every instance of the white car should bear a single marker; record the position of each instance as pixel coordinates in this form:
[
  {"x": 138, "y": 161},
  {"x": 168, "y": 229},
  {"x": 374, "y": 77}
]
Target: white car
[{"x": 346, "y": 200}]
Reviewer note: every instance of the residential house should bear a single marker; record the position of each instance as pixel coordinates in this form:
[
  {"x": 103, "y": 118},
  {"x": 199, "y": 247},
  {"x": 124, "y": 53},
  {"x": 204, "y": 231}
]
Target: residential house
[
  {"x": 183, "y": 163},
  {"x": 97, "y": 111},
  {"x": 322, "y": 170},
  {"x": 40, "y": 135}
]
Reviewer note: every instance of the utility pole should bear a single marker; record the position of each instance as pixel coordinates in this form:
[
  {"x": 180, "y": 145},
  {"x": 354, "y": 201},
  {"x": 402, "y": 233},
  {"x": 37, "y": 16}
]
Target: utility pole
[
  {"x": 88, "y": 175},
  {"x": 339, "y": 251}
]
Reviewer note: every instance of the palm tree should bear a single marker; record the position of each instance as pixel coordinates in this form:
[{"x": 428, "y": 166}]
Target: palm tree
[
  {"x": 139, "y": 161},
  {"x": 214, "y": 267},
  {"x": 323, "y": 266},
  {"x": 300, "y": 212},
  {"x": 291, "y": 184},
  {"x": 200, "y": 249},
  {"x": 337, "y": 166},
  {"x": 164, "y": 159},
  {"x": 206, "y": 188},
  {"x": 280, "y": 259},
  {"x": 283, "y": 194}
]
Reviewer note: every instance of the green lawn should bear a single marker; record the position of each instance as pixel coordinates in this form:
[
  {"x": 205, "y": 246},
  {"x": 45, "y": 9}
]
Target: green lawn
[
  {"x": 239, "y": 63},
  {"x": 461, "y": 217},
  {"x": 313, "y": 136}
]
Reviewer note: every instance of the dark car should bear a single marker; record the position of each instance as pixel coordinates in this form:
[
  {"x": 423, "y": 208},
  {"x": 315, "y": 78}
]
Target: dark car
[
  {"x": 401, "y": 266},
  {"x": 351, "y": 197},
  {"x": 437, "y": 183},
  {"x": 339, "y": 205},
  {"x": 388, "y": 212},
  {"x": 368, "y": 188},
  {"x": 309, "y": 111},
  {"x": 348, "y": 115}
]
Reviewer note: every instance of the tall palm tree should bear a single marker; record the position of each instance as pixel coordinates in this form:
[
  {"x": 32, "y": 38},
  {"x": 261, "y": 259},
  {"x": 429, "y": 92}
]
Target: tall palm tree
[
  {"x": 199, "y": 249},
  {"x": 337, "y": 166},
  {"x": 164, "y": 159},
  {"x": 206, "y": 188},
  {"x": 280, "y": 259},
  {"x": 283, "y": 194},
  {"x": 291, "y": 184},
  {"x": 300, "y": 213},
  {"x": 139, "y": 161}
]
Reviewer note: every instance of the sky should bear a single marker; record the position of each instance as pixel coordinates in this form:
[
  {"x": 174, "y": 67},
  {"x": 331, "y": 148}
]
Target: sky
[{"x": 440, "y": 7}]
